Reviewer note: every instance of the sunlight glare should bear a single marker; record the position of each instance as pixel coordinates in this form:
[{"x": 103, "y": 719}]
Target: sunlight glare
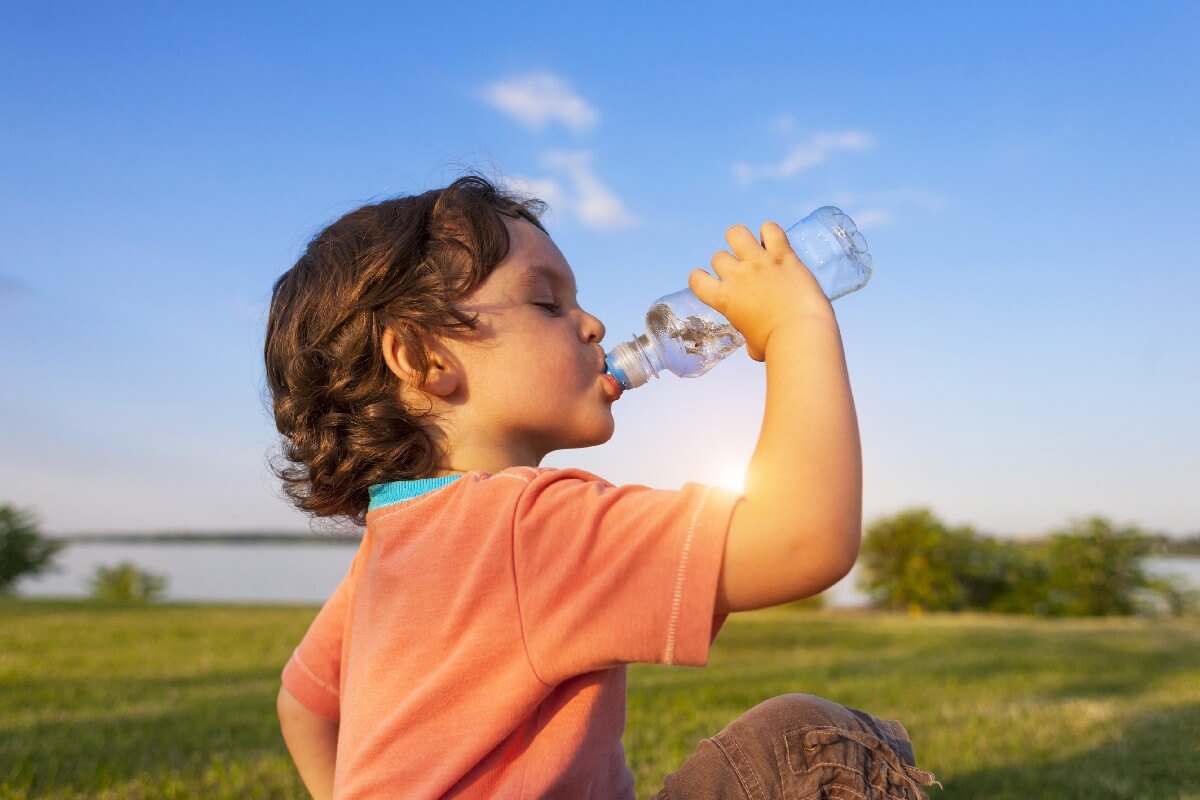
[{"x": 732, "y": 477}]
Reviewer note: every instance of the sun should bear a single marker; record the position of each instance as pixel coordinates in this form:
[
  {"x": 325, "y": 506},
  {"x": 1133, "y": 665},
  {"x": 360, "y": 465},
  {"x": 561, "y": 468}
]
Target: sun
[{"x": 732, "y": 477}]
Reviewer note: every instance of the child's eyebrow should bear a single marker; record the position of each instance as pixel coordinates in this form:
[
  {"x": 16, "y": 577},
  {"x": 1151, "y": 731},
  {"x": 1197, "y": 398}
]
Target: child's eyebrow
[{"x": 532, "y": 277}]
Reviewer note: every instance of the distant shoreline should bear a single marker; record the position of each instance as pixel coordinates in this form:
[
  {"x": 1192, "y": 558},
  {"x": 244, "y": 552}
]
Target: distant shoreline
[
  {"x": 1162, "y": 547},
  {"x": 210, "y": 538}
]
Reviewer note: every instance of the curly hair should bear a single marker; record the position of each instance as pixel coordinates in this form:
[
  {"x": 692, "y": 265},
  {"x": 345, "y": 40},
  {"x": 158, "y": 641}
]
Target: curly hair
[{"x": 401, "y": 264}]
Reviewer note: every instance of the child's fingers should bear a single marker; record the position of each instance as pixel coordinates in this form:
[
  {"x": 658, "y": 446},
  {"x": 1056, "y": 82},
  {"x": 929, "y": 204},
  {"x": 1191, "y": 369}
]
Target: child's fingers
[
  {"x": 742, "y": 242},
  {"x": 775, "y": 239},
  {"x": 723, "y": 263},
  {"x": 705, "y": 287}
]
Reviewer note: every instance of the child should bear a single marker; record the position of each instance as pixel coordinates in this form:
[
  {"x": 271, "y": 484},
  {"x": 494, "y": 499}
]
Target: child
[{"x": 424, "y": 354}]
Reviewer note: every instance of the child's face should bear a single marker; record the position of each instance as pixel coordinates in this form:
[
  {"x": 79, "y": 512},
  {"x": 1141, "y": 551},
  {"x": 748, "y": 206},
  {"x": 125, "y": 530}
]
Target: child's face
[{"x": 530, "y": 377}]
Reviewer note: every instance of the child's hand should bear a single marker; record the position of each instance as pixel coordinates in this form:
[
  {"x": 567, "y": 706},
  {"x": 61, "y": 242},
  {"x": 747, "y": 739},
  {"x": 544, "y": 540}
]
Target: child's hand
[{"x": 762, "y": 288}]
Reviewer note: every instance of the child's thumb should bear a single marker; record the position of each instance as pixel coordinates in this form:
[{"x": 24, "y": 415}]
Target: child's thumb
[{"x": 704, "y": 286}]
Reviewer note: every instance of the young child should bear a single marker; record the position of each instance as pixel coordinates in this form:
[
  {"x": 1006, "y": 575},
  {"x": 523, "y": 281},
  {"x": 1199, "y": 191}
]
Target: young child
[{"x": 424, "y": 354}]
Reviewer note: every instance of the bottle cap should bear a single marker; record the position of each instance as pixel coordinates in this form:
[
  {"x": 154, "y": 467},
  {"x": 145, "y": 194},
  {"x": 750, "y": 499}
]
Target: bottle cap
[{"x": 627, "y": 364}]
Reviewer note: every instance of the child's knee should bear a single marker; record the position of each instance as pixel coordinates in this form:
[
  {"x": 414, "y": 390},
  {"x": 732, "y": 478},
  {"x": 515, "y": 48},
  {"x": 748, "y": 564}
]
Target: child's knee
[
  {"x": 796, "y": 745},
  {"x": 807, "y": 741},
  {"x": 789, "y": 711}
]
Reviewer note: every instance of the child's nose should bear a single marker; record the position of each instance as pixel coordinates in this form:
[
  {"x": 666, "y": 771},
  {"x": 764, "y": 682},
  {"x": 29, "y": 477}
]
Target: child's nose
[{"x": 593, "y": 328}]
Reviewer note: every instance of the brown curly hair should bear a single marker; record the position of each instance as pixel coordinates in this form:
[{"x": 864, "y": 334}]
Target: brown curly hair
[{"x": 402, "y": 264}]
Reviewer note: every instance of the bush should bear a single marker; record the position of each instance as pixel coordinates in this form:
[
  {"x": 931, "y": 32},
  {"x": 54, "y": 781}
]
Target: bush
[
  {"x": 23, "y": 549},
  {"x": 913, "y": 561},
  {"x": 1095, "y": 570},
  {"x": 126, "y": 583}
]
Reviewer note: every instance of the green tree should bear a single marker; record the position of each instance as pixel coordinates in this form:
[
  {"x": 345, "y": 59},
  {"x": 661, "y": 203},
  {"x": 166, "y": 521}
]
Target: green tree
[
  {"x": 1095, "y": 569},
  {"x": 23, "y": 549},
  {"x": 126, "y": 583},
  {"x": 1025, "y": 572},
  {"x": 914, "y": 561}
]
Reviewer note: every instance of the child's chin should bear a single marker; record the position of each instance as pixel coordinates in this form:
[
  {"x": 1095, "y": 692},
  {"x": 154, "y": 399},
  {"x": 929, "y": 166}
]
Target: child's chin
[{"x": 602, "y": 432}]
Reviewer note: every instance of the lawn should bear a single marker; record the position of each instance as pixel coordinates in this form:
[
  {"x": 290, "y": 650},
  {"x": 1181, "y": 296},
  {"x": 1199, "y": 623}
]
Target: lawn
[{"x": 177, "y": 701}]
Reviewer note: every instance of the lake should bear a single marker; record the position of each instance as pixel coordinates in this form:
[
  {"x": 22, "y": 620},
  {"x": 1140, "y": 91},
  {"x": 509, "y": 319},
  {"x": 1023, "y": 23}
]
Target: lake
[{"x": 305, "y": 573}]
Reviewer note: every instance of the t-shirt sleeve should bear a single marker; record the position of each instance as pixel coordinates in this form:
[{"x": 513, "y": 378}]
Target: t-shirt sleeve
[
  {"x": 609, "y": 575},
  {"x": 312, "y": 675}
]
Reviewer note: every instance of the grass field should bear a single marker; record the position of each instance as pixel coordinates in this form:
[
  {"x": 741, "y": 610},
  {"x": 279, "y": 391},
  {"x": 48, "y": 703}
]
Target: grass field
[{"x": 177, "y": 701}]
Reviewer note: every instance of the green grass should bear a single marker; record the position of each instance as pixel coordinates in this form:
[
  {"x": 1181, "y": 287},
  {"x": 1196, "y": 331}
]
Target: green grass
[{"x": 177, "y": 701}]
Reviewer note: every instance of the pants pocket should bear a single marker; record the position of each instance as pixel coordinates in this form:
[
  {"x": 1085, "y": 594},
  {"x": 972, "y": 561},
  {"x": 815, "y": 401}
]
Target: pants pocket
[{"x": 834, "y": 762}]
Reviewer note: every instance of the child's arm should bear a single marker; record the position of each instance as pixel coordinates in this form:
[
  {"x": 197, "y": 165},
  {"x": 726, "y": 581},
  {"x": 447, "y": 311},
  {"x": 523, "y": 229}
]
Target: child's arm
[
  {"x": 797, "y": 530},
  {"x": 312, "y": 741}
]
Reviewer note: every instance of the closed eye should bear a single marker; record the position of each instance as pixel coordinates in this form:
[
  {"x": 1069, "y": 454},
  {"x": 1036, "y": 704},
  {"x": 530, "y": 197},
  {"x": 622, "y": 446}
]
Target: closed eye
[{"x": 551, "y": 307}]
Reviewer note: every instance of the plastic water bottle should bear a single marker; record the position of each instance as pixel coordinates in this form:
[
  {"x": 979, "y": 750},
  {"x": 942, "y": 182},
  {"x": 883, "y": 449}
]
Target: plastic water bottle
[{"x": 686, "y": 336}]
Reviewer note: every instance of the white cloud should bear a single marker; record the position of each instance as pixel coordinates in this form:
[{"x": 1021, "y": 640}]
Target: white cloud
[
  {"x": 254, "y": 310},
  {"x": 816, "y": 151},
  {"x": 591, "y": 201},
  {"x": 783, "y": 124},
  {"x": 537, "y": 98},
  {"x": 547, "y": 190},
  {"x": 574, "y": 189},
  {"x": 929, "y": 201},
  {"x": 872, "y": 217},
  {"x": 876, "y": 209}
]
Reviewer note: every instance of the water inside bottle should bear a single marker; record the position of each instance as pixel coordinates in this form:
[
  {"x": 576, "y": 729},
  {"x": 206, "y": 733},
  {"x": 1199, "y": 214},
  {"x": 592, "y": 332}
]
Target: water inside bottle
[{"x": 705, "y": 340}]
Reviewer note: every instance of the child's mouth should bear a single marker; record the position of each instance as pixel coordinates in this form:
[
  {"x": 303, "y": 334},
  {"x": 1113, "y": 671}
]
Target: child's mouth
[{"x": 612, "y": 386}]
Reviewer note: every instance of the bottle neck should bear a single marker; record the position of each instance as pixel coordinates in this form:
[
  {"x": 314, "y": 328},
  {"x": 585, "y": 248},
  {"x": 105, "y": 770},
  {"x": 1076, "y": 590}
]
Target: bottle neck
[
  {"x": 646, "y": 350},
  {"x": 633, "y": 362}
]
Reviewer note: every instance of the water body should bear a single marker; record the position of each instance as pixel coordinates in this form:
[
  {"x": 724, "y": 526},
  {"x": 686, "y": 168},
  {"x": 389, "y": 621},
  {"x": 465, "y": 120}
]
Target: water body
[
  {"x": 307, "y": 573},
  {"x": 221, "y": 572}
]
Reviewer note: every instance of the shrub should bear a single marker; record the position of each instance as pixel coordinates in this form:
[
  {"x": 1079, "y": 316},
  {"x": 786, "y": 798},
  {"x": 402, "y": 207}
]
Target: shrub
[
  {"x": 23, "y": 549},
  {"x": 1095, "y": 569},
  {"x": 913, "y": 561},
  {"x": 126, "y": 583}
]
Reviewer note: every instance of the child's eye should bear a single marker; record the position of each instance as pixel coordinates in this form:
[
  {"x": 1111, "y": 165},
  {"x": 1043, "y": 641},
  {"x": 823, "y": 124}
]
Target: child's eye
[{"x": 551, "y": 307}]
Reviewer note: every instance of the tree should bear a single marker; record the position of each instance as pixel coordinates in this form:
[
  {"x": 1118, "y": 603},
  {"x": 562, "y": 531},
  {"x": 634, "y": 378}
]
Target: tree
[
  {"x": 23, "y": 549},
  {"x": 1096, "y": 569},
  {"x": 913, "y": 561},
  {"x": 126, "y": 583}
]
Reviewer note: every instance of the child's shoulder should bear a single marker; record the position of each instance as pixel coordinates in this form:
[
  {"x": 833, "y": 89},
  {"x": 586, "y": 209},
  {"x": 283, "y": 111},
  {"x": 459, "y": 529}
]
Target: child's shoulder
[
  {"x": 528, "y": 474},
  {"x": 566, "y": 486}
]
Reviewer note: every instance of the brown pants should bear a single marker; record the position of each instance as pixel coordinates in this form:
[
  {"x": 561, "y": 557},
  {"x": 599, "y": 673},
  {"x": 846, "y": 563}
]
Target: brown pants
[{"x": 796, "y": 747}]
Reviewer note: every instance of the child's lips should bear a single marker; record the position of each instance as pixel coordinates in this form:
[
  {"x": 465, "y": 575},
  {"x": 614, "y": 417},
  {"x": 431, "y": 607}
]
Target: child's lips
[{"x": 612, "y": 387}]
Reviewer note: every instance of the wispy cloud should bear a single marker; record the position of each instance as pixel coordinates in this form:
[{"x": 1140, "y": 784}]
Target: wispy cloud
[
  {"x": 920, "y": 198},
  {"x": 593, "y": 202},
  {"x": 253, "y": 310},
  {"x": 574, "y": 188},
  {"x": 872, "y": 217},
  {"x": 545, "y": 189},
  {"x": 876, "y": 209},
  {"x": 782, "y": 124},
  {"x": 803, "y": 156},
  {"x": 538, "y": 98}
]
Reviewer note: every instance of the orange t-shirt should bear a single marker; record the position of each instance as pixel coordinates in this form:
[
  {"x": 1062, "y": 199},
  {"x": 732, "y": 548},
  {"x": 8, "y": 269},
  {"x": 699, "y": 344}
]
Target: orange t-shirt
[{"x": 476, "y": 646}]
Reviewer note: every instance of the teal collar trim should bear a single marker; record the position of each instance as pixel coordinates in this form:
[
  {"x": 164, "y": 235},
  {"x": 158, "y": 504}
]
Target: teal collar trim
[{"x": 386, "y": 494}]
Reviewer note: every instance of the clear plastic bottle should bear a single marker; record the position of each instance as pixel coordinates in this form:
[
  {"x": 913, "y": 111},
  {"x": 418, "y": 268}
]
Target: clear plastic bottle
[{"x": 687, "y": 337}]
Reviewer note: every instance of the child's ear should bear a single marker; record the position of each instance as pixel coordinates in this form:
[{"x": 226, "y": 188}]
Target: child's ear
[{"x": 442, "y": 378}]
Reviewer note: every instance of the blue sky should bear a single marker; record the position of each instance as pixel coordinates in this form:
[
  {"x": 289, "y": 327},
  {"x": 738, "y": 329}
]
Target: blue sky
[{"x": 1025, "y": 173}]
